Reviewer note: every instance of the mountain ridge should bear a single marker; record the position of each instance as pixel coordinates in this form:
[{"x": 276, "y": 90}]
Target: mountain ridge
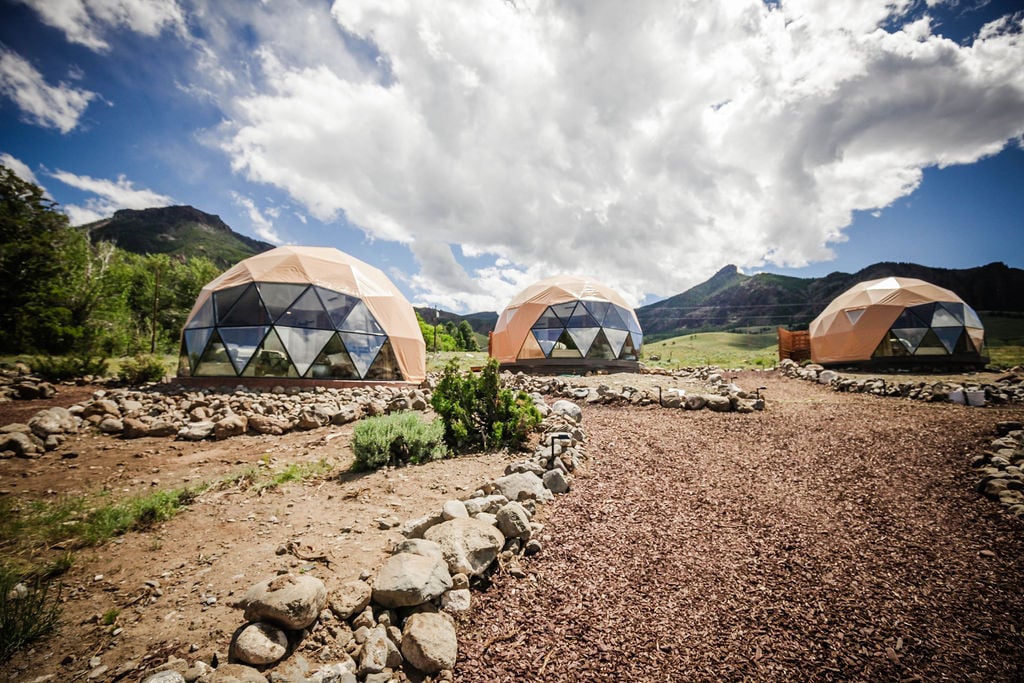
[{"x": 179, "y": 231}]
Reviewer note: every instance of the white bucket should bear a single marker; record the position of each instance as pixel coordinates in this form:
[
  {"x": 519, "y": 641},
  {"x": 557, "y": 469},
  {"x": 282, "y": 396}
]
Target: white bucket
[
  {"x": 975, "y": 397},
  {"x": 957, "y": 396}
]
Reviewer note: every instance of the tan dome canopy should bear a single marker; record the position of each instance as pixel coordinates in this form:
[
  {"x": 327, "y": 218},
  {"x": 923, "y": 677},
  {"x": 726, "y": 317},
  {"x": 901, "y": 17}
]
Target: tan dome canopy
[
  {"x": 894, "y": 318},
  {"x": 567, "y": 318},
  {"x": 303, "y": 312}
]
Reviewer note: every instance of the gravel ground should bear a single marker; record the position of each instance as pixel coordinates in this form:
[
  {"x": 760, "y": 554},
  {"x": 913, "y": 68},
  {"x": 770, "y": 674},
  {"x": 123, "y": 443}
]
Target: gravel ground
[{"x": 833, "y": 537}]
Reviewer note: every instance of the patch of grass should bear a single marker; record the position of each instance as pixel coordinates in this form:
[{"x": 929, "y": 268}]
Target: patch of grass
[
  {"x": 724, "y": 349},
  {"x": 463, "y": 359},
  {"x": 28, "y": 609},
  {"x": 110, "y": 617},
  {"x": 260, "y": 478}
]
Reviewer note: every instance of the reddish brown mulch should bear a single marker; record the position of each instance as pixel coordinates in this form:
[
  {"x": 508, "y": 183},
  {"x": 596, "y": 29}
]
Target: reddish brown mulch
[{"x": 834, "y": 537}]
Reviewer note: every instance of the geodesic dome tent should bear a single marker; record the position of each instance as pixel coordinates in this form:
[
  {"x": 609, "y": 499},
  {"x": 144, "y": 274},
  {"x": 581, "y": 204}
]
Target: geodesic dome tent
[
  {"x": 567, "y": 321},
  {"x": 897, "y": 320},
  {"x": 303, "y": 313}
]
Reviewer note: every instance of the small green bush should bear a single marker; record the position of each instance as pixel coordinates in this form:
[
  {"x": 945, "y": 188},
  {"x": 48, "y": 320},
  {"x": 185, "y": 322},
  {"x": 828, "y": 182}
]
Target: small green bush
[
  {"x": 478, "y": 413},
  {"x": 397, "y": 439},
  {"x": 28, "y": 610},
  {"x": 60, "y": 368},
  {"x": 141, "y": 369}
]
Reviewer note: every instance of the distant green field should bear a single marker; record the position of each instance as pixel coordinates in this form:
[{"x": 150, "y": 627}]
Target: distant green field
[
  {"x": 724, "y": 349},
  {"x": 1004, "y": 339}
]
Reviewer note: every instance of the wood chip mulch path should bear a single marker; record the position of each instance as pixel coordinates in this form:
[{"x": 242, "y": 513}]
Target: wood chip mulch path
[{"x": 833, "y": 537}]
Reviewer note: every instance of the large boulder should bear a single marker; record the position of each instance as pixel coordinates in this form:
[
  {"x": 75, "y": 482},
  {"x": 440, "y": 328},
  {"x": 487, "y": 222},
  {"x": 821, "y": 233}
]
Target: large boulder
[
  {"x": 291, "y": 601},
  {"x": 523, "y": 486},
  {"x": 408, "y": 579},
  {"x": 469, "y": 545},
  {"x": 55, "y": 420},
  {"x": 567, "y": 408},
  {"x": 379, "y": 652},
  {"x": 236, "y": 673},
  {"x": 429, "y": 642},
  {"x": 258, "y": 644},
  {"x": 514, "y": 521}
]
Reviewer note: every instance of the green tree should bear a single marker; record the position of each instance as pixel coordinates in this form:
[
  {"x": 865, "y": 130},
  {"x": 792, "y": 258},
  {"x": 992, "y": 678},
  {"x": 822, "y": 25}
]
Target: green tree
[
  {"x": 41, "y": 259},
  {"x": 466, "y": 338},
  {"x": 444, "y": 341}
]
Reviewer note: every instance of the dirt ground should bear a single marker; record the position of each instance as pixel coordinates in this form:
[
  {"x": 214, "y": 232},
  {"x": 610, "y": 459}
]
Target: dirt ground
[{"x": 694, "y": 546}]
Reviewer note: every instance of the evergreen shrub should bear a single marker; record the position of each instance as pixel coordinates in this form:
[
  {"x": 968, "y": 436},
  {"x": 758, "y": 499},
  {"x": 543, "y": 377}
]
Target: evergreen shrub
[
  {"x": 141, "y": 368},
  {"x": 477, "y": 413},
  {"x": 60, "y": 368}
]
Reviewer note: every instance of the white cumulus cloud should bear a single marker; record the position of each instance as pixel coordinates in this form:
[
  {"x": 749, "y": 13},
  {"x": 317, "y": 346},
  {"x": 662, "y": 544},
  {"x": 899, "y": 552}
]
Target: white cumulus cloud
[
  {"x": 86, "y": 21},
  {"x": 19, "y": 167},
  {"x": 262, "y": 226},
  {"x": 50, "y": 106},
  {"x": 110, "y": 195},
  {"x": 646, "y": 144}
]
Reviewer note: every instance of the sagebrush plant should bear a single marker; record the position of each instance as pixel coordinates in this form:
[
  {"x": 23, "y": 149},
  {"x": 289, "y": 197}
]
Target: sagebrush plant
[
  {"x": 60, "y": 368},
  {"x": 141, "y": 368},
  {"x": 397, "y": 439},
  {"x": 477, "y": 413}
]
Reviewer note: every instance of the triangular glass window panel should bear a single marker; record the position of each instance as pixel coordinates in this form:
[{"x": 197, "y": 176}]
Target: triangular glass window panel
[
  {"x": 248, "y": 311},
  {"x": 910, "y": 337},
  {"x": 214, "y": 362},
  {"x": 224, "y": 299},
  {"x": 948, "y": 336},
  {"x": 600, "y": 348},
  {"x": 565, "y": 347},
  {"x": 333, "y": 362},
  {"x": 583, "y": 318},
  {"x": 185, "y": 364},
  {"x": 853, "y": 315},
  {"x": 362, "y": 349},
  {"x": 547, "y": 338},
  {"x": 613, "y": 319},
  {"x": 629, "y": 318},
  {"x": 303, "y": 345},
  {"x": 628, "y": 349},
  {"x": 964, "y": 344},
  {"x": 241, "y": 343},
  {"x": 278, "y": 297},
  {"x": 908, "y": 320},
  {"x": 548, "y": 320},
  {"x": 195, "y": 342},
  {"x": 385, "y": 366},
  {"x": 954, "y": 309},
  {"x": 638, "y": 340},
  {"x": 360, "y": 319},
  {"x": 270, "y": 360},
  {"x": 204, "y": 316},
  {"x": 616, "y": 338},
  {"x": 307, "y": 311},
  {"x": 943, "y": 318},
  {"x": 598, "y": 309},
  {"x": 931, "y": 345},
  {"x": 971, "y": 318},
  {"x": 564, "y": 311},
  {"x": 584, "y": 337},
  {"x": 531, "y": 349},
  {"x": 338, "y": 305}
]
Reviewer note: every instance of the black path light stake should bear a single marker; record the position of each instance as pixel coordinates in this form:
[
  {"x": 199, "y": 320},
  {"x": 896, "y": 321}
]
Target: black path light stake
[
  {"x": 757, "y": 392},
  {"x": 560, "y": 437}
]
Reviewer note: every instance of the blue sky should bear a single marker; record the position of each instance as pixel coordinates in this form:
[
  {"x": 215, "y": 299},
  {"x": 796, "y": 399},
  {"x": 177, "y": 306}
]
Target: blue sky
[{"x": 470, "y": 148}]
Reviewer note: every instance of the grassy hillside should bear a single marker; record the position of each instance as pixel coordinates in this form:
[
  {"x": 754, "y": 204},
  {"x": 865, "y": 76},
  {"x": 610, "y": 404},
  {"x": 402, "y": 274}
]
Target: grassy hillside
[{"x": 725, "y": 349}]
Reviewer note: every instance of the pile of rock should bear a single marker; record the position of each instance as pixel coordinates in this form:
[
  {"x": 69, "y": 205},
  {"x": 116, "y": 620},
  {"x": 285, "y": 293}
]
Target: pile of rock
[
  {"x": 721, "y": 395},
  {"x": 1002, "y": 468},
  {"x": 401, "y": 618},
  {"x": 17, "y": 384},
  {"x": 1008, "y": 388},
  {"x": 198, "y": 415}
]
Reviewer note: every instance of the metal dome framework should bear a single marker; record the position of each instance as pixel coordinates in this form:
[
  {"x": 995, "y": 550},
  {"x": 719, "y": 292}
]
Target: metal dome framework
[
  {"x": 897, "y": 320},
  {"x": 567, "y": 322},
  {"x": 302, "y": 313}
]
